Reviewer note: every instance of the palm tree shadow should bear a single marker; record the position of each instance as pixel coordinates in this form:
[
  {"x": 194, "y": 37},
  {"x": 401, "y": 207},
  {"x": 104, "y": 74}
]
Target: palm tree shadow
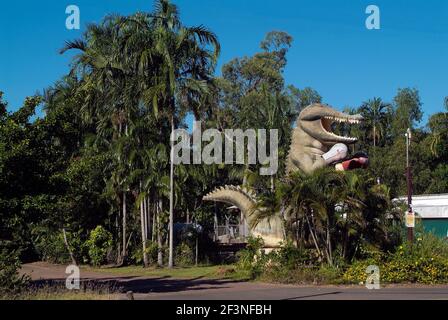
[
  {"x": 168, "y": 284},
  {"x": 165, "y": 284}
]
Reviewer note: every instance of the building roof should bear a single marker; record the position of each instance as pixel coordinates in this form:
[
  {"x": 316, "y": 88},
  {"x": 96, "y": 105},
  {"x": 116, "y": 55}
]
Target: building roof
[{"x": 429, "y": 205}]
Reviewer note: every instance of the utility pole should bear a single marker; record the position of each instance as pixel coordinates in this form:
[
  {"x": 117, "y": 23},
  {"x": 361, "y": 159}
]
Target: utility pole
[
  {"x": 409, "y": 186},
  {"x": 171, "y": 222}
]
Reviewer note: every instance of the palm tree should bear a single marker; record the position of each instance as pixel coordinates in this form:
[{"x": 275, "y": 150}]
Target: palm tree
[
  {"x": 107, "y": 86},
  {"x": 330, "y": 211},
  {"x": 183, "y": 71},
  {"x": 303, "y": 209},
  {"x": 350, "y": 219},
  {"x": 438, "y": 124},
  {"x": 149, "y": 58},
  {"x": 307, "y": 200},
  {"x": 375, "y": 113}
]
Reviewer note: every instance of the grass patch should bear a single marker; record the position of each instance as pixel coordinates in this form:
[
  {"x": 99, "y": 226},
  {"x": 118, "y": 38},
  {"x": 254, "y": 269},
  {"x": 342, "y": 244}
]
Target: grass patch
[
  {"x": 73, "y": 295},
  {"x": 58, "y": 291}
]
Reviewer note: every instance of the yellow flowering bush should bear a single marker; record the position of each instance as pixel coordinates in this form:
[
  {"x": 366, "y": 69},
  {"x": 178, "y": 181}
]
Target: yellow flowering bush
[{"x": 425, "y": 261}]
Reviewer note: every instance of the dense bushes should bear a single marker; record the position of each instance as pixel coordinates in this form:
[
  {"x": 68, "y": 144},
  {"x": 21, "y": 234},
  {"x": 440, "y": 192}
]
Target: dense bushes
[
  {"x": 152, "y": 250},
  {"x": 98, "y": 244},
  {"x": 184, "y": 255},
  {"x": 426, "y": 261},
  {"x": 252, "y": 259},
  {"x": 11, "y": 282},
  {"x": 50, "y": 246},
  {"x": 97, "y": 249},
  {"x": 286, "y": 265}
]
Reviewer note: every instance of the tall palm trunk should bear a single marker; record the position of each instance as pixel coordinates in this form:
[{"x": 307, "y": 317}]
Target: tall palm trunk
[
  {"x": 154, "y": 221},
  {"x": 313, "y": 236},
  {"x": 159, "y": 235},
  {"x": 148, "y": 218},
  {"x": 143, "y": 227},
  {"x": 124, "y": 248},
  {"x": 118, "y": 235},
  {"x": 374, "y": 135},
  {"x": 344, "y": 243},
  {"x": 171, "y": 223},
  {"x": 329, "y": 249},
  {"x": 145, "y": 218},
  {"x": 297, "y": 229}
]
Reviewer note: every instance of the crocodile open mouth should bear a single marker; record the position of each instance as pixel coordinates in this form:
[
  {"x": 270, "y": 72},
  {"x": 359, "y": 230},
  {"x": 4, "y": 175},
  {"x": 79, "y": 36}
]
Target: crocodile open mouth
[{"x": 328, "y": 121}]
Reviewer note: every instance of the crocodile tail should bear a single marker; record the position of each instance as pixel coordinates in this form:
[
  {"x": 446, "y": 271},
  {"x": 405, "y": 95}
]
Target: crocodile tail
[{"x": 242, "y": 198}]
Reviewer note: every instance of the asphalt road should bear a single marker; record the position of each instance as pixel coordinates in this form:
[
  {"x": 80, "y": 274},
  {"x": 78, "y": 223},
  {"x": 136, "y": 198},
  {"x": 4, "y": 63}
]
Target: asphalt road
[{"x": 167, "y": 288}]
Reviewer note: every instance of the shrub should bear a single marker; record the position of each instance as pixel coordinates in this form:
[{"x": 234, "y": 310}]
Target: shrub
[
  {"x": 51, "y": 246},
  {"x": 425, "y": 261},
  {"x": 252, "y": 259},
  {"x": 291, "y": 257},
  {"x": 287, "y": 264},
  {"x": 11, "y": 282},
  {"x": 152, "y": 250},
  {"x": 356, "y": 273},
  {"x": 184, "y": 255},
  {"x": 98, "y": 244}
]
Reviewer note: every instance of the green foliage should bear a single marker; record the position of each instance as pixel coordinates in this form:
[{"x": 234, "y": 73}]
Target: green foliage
[
  {"x": 50, "y": 247},
  {"x": 356, "y": 273},
  {"x": 425, "y": 261},
  {"x": 407, "y": 109},
  {"x": 11, "y": 283},
  {"x": 287, "y": 264},
  {"x": 105, "y": 135},
  {"x": 151, "y": 250},
  {"x": 98, "y": 244},
  {"x": 252, "y": 259},
  {"x": 184, "y": 255},
  {"x": 291, "y": 257},
  {"x": 334, "y": 212}
]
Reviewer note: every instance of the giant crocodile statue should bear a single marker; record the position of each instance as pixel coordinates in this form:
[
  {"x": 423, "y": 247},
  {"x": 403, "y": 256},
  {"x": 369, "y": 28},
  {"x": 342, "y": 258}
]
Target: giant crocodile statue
[{"x": 313, "y": 146}]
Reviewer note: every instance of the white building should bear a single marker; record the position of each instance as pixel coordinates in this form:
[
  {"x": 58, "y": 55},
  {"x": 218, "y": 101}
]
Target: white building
[{"x": 433, "y": 210}]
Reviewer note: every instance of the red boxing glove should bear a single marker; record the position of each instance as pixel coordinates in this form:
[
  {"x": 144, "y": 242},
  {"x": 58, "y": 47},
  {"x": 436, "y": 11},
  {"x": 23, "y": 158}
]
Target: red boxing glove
[{"x": 354, "y": 163}]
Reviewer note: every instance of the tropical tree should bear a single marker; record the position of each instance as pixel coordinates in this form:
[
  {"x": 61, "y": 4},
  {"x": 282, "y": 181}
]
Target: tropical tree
[
  {"x": 407, "y": 110},
  {"x": 107, "y": 86},
  {"x": 438, "y": 125},
  {"x": 185, "y": 67},
  {"x": 253, "y": 94},
  {"x": 333, "y": 212},
  {"x": 376, "y": 115},
  {"x": 150, "y": 58}
]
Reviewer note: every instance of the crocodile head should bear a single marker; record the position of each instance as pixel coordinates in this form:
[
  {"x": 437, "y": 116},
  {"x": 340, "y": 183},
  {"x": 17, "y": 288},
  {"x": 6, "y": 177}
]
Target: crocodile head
[{"x": 317, "y": 119}]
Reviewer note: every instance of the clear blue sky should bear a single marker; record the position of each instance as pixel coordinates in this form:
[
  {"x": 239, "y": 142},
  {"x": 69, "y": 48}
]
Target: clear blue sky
[{"x": 332, "y": 52}]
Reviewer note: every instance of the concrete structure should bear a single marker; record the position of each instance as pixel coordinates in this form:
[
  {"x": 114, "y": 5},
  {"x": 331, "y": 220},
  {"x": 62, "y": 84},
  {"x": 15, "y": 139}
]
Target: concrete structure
[{"x": 311, "y": 140}]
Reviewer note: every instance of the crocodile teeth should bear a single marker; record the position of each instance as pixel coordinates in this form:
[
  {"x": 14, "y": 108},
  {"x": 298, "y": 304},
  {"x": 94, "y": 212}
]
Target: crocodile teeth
[{"x": 340, "y": 120}]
